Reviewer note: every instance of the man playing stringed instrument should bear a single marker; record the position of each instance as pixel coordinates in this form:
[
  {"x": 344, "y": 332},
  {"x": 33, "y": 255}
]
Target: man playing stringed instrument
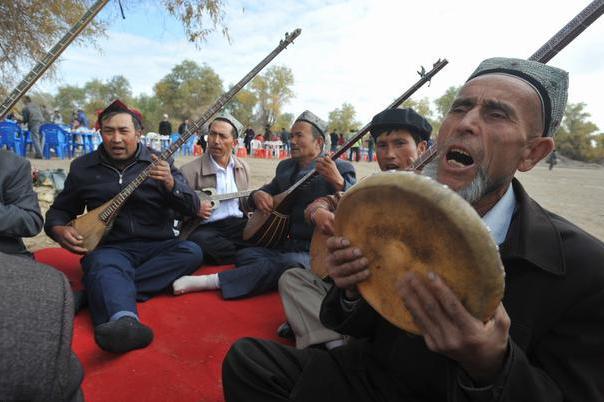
[
  {"x": 219, "y": 231},
  {"x": 139, "y": 256},
  {"x": 257, "y": 268},
  {"x": 545, "y": 341},
  {"x": 401, "y": 136}
]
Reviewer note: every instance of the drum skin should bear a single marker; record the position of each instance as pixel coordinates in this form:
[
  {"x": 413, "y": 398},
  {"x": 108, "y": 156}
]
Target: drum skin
[{"x": 407, "y": 222}]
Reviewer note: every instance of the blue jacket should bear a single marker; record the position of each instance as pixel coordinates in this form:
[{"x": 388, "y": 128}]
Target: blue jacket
[
  {"x": 147, "y": 215},
  {"x": 300, "y": 232}
]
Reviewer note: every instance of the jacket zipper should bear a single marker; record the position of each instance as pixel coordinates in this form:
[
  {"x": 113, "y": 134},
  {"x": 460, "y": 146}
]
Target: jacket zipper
[{"x": 121, "y": 175}]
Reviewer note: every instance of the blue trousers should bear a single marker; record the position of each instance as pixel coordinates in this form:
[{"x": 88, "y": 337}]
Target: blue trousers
[
  {"x": 257, "y": 270},
  {"x": 117, "y": 275}
]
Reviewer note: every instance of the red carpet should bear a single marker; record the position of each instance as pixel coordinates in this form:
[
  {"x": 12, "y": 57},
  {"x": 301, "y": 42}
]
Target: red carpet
[{"x": 193, "y": 332}]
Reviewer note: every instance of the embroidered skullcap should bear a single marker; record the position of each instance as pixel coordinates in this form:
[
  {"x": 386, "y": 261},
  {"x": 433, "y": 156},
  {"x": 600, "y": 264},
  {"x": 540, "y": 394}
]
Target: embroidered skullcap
[
  {"x": 313, "y": 119},
  {"x": 120, "y": 107},
  {"x": 229, "y": 118},
  {"x": 550, "y": 83},
  {"x": 393, "y": 119}
]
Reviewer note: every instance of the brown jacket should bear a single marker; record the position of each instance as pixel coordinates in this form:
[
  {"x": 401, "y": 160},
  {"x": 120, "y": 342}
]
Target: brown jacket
[{"x": 201, "y": 173}]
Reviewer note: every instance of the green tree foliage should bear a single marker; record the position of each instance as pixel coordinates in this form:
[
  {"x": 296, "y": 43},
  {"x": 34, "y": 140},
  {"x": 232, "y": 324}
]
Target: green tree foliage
[
  {"x": 188, "y": 90},
  {"x": 31, "y": 27},
  {"x": 272, "y": 90},
  {"x": 284, "y": 120},
  {"x": 150, "y": 107},
  {"x": 577, "y": 138},
  {"x": 242, "y": 107},
  {"x": 69, "y": 98},
  {"x": 342, "y": 119},
  {"x": 99, "y": 94},
  {"x": 444, "y": 102}
]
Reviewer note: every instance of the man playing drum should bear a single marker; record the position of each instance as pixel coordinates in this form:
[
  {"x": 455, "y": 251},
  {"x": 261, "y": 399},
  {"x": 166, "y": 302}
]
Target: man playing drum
[
  {"x": 257, "y": 268},
  {"x": 139, "y": 257},
  {"x": 401, "y": 136},
  {"x": 545, "y": 341},
  {"x": 219, "y": 234}
]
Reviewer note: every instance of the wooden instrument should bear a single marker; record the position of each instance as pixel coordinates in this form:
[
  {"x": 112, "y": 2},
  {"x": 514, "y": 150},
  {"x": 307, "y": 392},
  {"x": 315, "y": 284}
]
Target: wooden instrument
[
  {"x": 318, "y": 250},
  {"x": 94, "y": 227},
  {"x": 269, "y": 229},
  {"x": 208, "y": 194},
  {"x": 40, "y": 67},
  {"x": 435, "y": 230}
]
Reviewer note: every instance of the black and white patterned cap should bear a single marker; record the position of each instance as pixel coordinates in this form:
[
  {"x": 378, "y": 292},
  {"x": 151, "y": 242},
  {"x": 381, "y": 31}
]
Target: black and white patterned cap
[
  {"x": 550, "y": 83},
  {"x": 313, "y": 119},
  {"x": 229, "y": 118}
]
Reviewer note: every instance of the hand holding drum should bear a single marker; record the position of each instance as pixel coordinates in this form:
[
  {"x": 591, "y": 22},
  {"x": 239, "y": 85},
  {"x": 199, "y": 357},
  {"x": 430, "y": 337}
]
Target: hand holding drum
[{"x": 395, "y": 223}]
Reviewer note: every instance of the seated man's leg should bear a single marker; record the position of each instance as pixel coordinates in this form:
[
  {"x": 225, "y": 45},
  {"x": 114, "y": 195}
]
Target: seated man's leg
[
  {"x": 109, "y": 282},
  {"x": 169, "y": 260},
  {"x": 219, "y": 240},
  {"x": 302, "y": 293},
  {"x": 258, "y": 370},
  {"x": 257, "y": 271}
]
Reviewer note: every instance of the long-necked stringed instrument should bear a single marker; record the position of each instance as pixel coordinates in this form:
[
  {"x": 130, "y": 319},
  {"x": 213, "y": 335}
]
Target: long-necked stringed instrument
[
  {"x": 318, "y": 250},
  {"x": 95, "y": 224},
  {"x": 40, "y": 67},
  {"x": 269, "y": 229},
  {"x": 209, "y": 194}
]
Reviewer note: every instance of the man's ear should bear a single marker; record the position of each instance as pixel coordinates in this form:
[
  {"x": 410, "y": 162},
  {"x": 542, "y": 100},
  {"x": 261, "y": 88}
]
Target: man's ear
[
  {"x": 422, "y": 146},
  {"x": 536, "y": 150}
]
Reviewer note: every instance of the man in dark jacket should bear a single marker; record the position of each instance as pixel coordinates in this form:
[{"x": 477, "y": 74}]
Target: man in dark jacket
[
  {"x": 165, "y": 127},
  {"x": 545, "y": 341},
  {"x": 139, "y": 256},
  {"x": 20, "y": 214},
  {"x": 257, "y": 269}
]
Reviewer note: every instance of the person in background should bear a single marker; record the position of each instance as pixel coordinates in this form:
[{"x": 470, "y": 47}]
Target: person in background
[
  {"x": 56, "y": 117},
  {"x": 285, "y": 135},
  {"x": 32, "y": 116},
  {"x": 183, "y": 127},
  {"x": 334, "y": 141},
  {"x": 82, "y": 119},
  {"x": 165, "y": 127},
  {"x": 247, "y": 140}
]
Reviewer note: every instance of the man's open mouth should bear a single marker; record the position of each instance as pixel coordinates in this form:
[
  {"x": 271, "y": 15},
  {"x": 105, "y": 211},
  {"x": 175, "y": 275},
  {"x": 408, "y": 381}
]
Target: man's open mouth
[{"x": 457, "y": 157}]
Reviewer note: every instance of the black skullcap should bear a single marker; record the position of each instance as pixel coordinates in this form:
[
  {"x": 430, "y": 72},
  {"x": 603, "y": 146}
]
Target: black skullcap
[{"x": 394, "y": 119}]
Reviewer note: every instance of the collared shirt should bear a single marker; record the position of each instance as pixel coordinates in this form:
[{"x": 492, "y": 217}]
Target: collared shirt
[
  {"x": 225, "y": 183},
  {"x": 499, "y": 217}
]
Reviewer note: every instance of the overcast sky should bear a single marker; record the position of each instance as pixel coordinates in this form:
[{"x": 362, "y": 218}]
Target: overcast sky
[{"x": 359, "y": 51}]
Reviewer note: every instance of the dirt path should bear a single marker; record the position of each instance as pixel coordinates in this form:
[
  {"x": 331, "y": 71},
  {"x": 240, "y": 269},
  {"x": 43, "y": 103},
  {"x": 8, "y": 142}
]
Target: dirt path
[{"x": 576, "y": 193}]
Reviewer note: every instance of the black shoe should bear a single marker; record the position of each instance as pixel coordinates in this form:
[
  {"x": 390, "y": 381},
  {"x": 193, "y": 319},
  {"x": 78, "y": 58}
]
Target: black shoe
[
  {"x": 285, "y": 331},
  {"x": 123, "y": 335}
]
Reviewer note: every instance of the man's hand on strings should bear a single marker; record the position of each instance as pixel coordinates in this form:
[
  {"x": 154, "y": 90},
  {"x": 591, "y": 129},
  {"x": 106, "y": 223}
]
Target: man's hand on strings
[
  {"x": 346, "y": 265},
  {"x": 327, "y": 168},
  {"x": 205, "y": 210},
  {"x": 449, "y": 329},
  {"x": 161, "y": 172},
  {"x": 263, "y": 201},
  {"x": 69, "y": 238}
]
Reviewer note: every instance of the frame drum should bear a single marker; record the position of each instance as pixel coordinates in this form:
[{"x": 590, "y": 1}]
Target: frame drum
[{"x": 404, "y": 222}]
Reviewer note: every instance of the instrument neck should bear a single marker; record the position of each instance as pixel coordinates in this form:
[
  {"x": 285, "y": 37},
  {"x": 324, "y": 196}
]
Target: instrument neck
[{"x": 230, "y": 196}]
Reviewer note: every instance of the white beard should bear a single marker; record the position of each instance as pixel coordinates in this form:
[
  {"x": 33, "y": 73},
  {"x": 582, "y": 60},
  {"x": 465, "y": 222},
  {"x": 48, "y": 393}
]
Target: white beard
[{"x": 472, "y": 192}]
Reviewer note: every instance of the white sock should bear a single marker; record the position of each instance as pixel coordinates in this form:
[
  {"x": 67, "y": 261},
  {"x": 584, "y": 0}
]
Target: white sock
[
  {"x": 186, "y": 284},
  {"x": 336, "y": 343}
]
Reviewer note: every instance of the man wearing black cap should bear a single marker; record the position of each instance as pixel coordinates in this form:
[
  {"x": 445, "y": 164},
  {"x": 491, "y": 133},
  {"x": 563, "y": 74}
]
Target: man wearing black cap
[
  {"x": 139, "y": 256},
  {"x": 545, "y": 340},
  {"x": 401, "y": 136},
  {"x": 217, "y": 231},
  {"x": 257, "y": 269}
]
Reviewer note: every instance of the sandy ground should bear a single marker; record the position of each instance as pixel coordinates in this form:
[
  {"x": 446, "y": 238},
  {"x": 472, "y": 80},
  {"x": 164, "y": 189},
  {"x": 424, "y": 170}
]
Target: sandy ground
[{"x": 572, "y": 190}]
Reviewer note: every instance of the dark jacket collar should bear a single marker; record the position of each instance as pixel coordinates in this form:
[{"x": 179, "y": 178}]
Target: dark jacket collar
[{"x": 533, "y": 236}]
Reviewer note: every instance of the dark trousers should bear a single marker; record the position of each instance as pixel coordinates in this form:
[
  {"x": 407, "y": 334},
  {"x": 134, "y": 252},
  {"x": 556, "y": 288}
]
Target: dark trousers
[
  {"x": 357, "y": 154},
  {"x": 220, "y": 240},
  {"x": 258, "y": 269},
  {"x": 259, "y": 370},
  {"x": 117, "y": 275}
]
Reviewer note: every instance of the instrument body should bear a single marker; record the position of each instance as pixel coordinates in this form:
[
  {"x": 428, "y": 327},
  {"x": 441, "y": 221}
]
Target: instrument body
[
  {"x": 93, "y": 226},
  {"x": 277, "y": 221},
  {"x": 418, "y": 225},
  {"x": 114, "y": 205},
  {"x": 208, "y": 194}
]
